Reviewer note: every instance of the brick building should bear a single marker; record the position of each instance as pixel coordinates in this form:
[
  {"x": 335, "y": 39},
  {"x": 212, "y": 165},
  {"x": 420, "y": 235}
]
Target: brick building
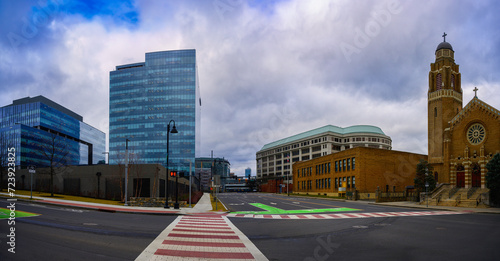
[
  {"x": 363, "y": 169},
  {"x": 461, "y": 140}
]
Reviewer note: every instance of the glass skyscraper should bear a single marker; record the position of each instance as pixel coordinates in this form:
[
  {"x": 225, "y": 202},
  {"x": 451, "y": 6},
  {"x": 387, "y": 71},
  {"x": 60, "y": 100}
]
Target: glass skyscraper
[
  {"x": 35, "y": 126},
  {"x": 144, "y": 97}
]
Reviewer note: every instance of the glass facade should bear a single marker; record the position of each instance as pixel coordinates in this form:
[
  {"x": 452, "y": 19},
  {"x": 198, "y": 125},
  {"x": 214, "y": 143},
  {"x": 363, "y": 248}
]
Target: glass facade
[
  {"x": 36, "y": 125},
  {"x": 144, "y": 98}
]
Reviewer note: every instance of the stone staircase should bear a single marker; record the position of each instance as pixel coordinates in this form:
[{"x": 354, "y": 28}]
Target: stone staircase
[{"x": 447, "y": 195}]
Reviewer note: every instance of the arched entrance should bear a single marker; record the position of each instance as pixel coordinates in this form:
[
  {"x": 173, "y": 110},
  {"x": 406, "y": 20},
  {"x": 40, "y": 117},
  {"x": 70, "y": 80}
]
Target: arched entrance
[
  {"x": 476, "y": 175},
  {"x": 460, "y": 176}
]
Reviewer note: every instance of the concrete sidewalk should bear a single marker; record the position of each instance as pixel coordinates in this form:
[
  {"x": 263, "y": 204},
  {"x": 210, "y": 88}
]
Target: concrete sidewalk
[
  {"x": 411, "y": 204},
  {"x": 203, "y": 206}
]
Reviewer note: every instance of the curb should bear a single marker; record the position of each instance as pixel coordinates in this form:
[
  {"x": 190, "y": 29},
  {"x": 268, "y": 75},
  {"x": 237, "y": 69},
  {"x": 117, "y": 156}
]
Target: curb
[
  {"x": 439, "y": 208},
  {"x": 95, "y": 208}
]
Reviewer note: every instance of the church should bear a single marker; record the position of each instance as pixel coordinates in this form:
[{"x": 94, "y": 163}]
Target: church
[{"x": 461, "y": 139}]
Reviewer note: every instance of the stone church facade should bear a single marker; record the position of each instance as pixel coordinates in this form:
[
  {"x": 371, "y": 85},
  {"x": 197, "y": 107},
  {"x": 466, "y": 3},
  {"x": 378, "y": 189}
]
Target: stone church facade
[{"x": 461, "y": 140}]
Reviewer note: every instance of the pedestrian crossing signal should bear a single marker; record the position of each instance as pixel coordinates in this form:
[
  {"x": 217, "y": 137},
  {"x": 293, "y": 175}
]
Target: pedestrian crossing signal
[{"x": 173, "y": 173}]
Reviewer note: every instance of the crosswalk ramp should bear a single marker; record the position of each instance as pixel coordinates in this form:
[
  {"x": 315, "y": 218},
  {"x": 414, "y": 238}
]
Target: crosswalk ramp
[{"x": 201, "y": 237}]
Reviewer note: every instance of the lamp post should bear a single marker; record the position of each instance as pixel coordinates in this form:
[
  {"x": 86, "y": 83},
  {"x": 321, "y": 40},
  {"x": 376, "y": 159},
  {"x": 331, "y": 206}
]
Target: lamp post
[
  {"x": 106, "y": 153},
  {"x": 126, "y": 170},
  {"x": 176, "y": 204},
  {"x": 98, "y": 174},
  {"x": 174, "y": 130}
]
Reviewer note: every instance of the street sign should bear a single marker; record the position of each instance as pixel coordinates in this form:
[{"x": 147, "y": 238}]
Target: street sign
[{"x": 31, "y": 169}]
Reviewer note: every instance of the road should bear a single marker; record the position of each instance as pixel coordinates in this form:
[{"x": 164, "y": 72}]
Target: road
[
  {"x": 430, "y": 237},
  {"x": 281, "y": 227},
  {"x": 60, "y": 233}
]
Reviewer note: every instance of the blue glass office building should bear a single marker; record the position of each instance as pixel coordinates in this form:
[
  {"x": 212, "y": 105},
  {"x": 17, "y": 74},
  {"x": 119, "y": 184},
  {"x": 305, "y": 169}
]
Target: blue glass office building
[
  {"x": 34, "y": 125},
  {"x": 144, "y": 97}
]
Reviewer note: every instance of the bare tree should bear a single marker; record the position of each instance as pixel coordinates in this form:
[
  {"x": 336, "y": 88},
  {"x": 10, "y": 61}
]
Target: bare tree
[{"x": 55, "y": 150}]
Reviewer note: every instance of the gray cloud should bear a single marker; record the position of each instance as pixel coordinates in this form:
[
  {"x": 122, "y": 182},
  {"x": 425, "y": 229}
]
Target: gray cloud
[{"x": 269, "y": 70}]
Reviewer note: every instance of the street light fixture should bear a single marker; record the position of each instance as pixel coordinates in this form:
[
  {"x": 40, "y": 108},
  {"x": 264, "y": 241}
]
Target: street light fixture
[{"x": 174, "y": 130}]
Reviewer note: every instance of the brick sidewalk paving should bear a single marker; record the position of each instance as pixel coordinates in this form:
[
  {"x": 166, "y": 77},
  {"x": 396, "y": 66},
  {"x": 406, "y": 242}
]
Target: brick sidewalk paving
[{"x": 201, "y": 237}]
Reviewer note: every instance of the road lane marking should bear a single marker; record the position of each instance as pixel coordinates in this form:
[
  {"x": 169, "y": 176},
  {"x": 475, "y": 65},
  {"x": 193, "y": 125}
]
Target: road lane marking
[
  {"x": 295, "y": 199},
  {"x": 5, "y": 213},
  {"x": 350, "y": 215},
  {"x": 268, "y": 210}
]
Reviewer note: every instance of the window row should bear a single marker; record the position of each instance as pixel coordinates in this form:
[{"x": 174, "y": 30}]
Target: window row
[
  {"x": 347, "y": 182},
  {"x": 345, "y": 164}
]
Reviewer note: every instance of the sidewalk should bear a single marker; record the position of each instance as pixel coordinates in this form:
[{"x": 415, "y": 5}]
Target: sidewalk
[
  {"x": 411, "y": 204},
  {"x": 204, "y": 205},
  {"x": 201, "y": 237}
]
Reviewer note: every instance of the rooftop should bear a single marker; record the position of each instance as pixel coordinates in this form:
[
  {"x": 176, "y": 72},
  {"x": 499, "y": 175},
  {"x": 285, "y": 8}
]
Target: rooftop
[
  {"x": 47, "y": 102},
  {"x": 326, "y": 129}
]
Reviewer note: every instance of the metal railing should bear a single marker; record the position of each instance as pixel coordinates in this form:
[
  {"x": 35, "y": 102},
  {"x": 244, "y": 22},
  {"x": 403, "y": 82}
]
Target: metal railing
[
  {"x": 452, "y": 192},
  {"x": 471, "y": 192}
]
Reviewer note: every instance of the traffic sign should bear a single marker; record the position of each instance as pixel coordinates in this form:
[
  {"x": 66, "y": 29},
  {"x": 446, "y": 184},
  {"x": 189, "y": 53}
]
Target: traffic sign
[{"x": 32, "y": 169}]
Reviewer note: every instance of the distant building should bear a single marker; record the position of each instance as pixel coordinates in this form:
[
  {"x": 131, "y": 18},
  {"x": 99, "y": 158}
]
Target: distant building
[
  {"x": 207, "y": 168},
  {"x": 36, "y": 126},
  {"x": 275, "y": 159},
  {"x": 248, "y": 173},
  {"x": 144, "y": 97}
]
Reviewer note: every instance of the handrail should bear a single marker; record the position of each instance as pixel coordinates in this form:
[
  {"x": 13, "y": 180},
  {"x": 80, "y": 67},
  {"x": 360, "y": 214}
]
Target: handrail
[
  {"x": 471, "y": 192},
  {"x": 452, "y": 192},
  {"x": 458, "y": 199}
]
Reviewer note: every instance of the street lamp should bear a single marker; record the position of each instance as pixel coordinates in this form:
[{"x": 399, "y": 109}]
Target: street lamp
[
  {"x": 174, "y": 130},
  {"x": 126, "y": 170},
  {"x": 106, "y": 153},
  {"x": 176, "y": 204}
]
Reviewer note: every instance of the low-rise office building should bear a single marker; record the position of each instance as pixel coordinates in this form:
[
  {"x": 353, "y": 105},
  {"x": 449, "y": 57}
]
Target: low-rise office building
[
  {"x": 360, "y": 169},
  {"x": 275, "y": 159},
  {"x": 44, "y": 133}
]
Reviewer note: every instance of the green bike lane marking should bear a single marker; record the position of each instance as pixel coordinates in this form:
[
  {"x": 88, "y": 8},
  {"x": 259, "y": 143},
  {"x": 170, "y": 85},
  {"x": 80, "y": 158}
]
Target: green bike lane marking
[
  {"x": 272, "y": 210},
  {"x": 5, "y": 213}
]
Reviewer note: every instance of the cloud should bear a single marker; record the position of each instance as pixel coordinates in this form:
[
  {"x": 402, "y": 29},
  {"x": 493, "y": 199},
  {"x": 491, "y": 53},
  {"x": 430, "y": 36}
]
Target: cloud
[{"x": 267, "y": 70}]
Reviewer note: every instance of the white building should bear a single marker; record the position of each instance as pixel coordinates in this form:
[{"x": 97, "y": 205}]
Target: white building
[{"x": 275, "y": 159}]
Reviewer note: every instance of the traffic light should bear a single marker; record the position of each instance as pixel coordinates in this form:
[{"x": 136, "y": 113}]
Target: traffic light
[{"x": 173, "y": 173}]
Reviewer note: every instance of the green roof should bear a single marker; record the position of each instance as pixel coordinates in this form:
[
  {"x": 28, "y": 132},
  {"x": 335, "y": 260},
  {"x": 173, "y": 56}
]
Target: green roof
[{"x": 326, "y": 129}]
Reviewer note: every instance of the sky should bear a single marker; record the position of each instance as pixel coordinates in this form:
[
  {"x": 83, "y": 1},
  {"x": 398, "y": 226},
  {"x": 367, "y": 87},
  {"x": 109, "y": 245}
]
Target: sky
[{"x": 267, "y": 69}]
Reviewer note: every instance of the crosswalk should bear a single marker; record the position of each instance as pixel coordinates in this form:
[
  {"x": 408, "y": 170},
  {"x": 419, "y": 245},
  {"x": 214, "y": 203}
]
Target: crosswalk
[
  {"x": 349, "y": 215},
  {"x": 214, "y": 236},
  {"x": 201, "y": 237}
]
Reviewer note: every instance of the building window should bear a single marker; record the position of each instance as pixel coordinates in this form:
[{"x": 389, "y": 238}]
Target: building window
[
  {"x": 348, "y": 182},
  {"x": 439, "y": 82},
  {"x": 336, "y": 166},
  {"x": 336, "y": 183},
  {"x": 353, "y": 182},
  {"x": 353, "y": 163},
  {"x": 348, "y": 164},
  {"x": 329, "y": 182},
  {"x": 328, "y": 167},
  {"x": 343, "y": 165}
]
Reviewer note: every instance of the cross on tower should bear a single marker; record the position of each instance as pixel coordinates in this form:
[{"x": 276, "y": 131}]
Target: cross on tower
[
  {"x": 444, "y": 37},
  {"x": 475, "y": 91}
]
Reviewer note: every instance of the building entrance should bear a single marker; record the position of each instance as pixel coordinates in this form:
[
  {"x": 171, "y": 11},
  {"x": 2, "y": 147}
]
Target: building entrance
[
  {"x": 476, "y": 175},
  {"x": 460, "y": 177}
]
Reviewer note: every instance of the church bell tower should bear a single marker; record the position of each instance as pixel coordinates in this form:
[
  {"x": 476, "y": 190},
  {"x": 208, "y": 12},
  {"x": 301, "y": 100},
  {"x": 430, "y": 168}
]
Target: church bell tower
[{"x": 444, "y": 102}]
